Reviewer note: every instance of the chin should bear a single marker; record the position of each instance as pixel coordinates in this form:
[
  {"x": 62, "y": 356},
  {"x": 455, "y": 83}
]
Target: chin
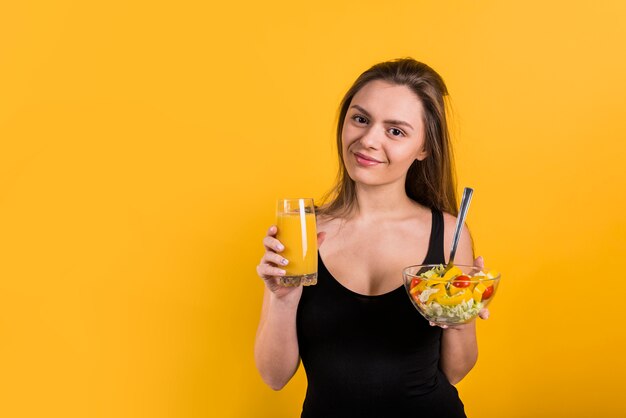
[{"x": 367, "y": 181}]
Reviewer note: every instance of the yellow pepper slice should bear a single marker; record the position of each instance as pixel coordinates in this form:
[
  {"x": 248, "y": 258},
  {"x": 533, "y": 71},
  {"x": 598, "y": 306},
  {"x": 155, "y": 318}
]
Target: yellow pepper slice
[
  {"x": 478, "y": 292},
  {"x": 442, "y": 291},
  {"x": 422, "y": 285},
  {"x": 492, "y": 274},
  {"x": 446, "y": 300},
  {"x": 452, "y": 273},
  {"x": 453, "y": 290},
  {"x": 485, "y": 281}
]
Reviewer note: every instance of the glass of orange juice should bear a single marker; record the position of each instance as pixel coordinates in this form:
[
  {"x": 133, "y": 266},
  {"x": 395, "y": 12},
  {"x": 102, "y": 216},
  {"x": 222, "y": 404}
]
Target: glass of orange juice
[{"x": 295, "y": 220}]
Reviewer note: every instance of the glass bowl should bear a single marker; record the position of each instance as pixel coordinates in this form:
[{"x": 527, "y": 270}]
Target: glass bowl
[{"x": 454, "y": 298}]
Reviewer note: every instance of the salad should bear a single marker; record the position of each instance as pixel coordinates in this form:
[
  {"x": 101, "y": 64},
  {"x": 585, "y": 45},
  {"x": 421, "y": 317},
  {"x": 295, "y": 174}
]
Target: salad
[{"x": 451, "y": 297}]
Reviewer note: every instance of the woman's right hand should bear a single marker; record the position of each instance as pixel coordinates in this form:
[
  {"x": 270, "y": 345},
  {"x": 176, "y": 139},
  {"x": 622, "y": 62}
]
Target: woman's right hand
[{"x": 270, "y": 269}]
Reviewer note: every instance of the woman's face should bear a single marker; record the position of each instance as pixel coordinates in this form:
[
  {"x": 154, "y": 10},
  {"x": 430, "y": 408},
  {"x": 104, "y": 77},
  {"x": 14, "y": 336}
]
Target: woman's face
[{"x": 383, "y": 133}]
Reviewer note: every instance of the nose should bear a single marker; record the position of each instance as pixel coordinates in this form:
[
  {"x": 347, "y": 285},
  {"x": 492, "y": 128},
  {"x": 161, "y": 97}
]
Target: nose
[{"x": 371, "y": 138}]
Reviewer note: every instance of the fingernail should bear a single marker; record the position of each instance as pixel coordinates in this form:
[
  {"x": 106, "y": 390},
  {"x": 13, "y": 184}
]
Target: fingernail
[
  {"x": 284, "y": 262},
  {"x": 280, "y": 247},
  {"x": 282, "y": 272}
]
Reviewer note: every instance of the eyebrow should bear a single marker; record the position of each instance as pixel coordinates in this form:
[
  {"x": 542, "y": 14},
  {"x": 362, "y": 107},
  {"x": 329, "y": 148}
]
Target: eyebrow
[{"x": 391, "y": 121}]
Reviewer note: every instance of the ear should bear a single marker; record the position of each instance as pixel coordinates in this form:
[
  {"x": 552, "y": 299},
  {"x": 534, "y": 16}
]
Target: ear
[{"x": 421, "y": 155}]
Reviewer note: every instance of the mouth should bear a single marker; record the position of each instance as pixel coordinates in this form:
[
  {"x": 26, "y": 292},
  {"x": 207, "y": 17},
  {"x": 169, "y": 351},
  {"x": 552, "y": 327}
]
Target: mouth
[{"x": 365, "y": 160}]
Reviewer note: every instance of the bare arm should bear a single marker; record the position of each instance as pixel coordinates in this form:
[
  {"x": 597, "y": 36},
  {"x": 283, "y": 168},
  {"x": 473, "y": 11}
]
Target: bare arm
[
  {"x": 459, "y": 347},
  {"x": 459, "y": 351},
  {"x": 276, "y": 351}
]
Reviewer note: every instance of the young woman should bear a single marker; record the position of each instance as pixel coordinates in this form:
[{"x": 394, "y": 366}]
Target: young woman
[{"x": 366, "y": 350}]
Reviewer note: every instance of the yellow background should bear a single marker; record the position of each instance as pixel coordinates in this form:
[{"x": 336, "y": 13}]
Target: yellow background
[{"x": 143, "y": 145}]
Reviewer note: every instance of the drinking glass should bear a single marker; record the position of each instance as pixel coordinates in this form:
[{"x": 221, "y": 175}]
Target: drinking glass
[{"x": 295, "y": 219}]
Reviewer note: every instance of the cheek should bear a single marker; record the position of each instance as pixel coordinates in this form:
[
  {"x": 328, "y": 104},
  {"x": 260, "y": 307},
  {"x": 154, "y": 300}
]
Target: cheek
[
  {"x": 402, "y": 158},
  {"x": 347, "y": 138}
]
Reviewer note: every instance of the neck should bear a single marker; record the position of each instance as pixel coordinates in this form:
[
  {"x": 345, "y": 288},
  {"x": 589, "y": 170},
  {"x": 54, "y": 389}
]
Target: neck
[{"x": 376, "y": 202}]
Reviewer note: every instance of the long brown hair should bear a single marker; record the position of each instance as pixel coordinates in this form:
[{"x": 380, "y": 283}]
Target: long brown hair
[{"x": 430, "y": 182}]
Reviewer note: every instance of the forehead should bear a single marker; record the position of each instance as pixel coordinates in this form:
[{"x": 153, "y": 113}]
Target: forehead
[{"x": 384, "y": 100}]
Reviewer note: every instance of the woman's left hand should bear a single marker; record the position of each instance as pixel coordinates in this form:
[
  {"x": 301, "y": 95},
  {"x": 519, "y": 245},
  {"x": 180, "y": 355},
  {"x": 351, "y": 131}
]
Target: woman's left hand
[{"x": 484, "y": 312}]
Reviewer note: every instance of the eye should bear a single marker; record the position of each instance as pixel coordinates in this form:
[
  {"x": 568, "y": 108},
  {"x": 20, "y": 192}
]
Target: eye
[
  {"x": 396, "y": 132},
  {"x": 359, "y": 119}
]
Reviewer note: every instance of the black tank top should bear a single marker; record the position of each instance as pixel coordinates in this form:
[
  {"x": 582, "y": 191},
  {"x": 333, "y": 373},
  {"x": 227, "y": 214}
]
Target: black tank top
[{"x": 372, "y": 356}]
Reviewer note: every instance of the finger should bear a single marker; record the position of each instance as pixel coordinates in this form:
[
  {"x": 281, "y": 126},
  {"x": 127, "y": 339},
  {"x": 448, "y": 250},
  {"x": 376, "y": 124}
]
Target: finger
[
  {"x": 274, "y": 259},
  {"x": 272, "y": 231},
  {"x": 272, "y": 244},
  {"x": 479, "y": 262},
  {"x": 484, "y": 313},
  {"x": 321, "y": 236},
  {"x": 267, "y": 272}
]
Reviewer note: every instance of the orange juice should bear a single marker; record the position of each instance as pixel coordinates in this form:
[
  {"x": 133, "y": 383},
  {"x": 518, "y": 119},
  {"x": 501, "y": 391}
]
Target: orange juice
[{"x": 298, "y": 233}]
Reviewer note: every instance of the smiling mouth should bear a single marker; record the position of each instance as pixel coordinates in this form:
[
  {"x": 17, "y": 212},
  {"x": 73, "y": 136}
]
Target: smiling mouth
[{"x": 366, "y": 161}]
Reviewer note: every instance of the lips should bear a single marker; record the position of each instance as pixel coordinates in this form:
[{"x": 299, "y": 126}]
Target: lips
[{"x": 365, "y": 160}]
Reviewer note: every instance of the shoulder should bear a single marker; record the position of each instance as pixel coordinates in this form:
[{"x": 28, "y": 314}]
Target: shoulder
[
  {"x": 325, "y": 223},
  {"x": 465, "y": 250},
  {"x": 449, "y": 221}
]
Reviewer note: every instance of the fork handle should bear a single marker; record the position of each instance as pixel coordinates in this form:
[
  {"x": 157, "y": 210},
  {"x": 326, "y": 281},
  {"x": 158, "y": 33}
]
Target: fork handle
[{"x": 460, "y": 220}]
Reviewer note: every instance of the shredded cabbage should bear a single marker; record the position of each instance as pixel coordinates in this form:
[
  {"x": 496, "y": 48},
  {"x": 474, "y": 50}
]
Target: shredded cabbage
[
  {"x": 435, "y": 271},
  {"x": 458, "y": 313}
]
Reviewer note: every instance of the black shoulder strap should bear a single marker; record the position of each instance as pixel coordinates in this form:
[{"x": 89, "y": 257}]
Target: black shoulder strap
[{"x": 435, "y": 253}]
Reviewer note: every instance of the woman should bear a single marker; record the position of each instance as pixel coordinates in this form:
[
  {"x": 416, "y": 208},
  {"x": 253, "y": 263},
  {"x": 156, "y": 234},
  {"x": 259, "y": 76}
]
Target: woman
[{"x": 367, "y": 352}]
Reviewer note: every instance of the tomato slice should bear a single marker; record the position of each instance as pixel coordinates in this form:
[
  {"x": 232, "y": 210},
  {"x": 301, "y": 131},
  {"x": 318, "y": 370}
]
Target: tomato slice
[
  {"x": 461, "y": 281},
  {"x": 414, "y": 282},
  {"x": 488, "y": 292}
]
